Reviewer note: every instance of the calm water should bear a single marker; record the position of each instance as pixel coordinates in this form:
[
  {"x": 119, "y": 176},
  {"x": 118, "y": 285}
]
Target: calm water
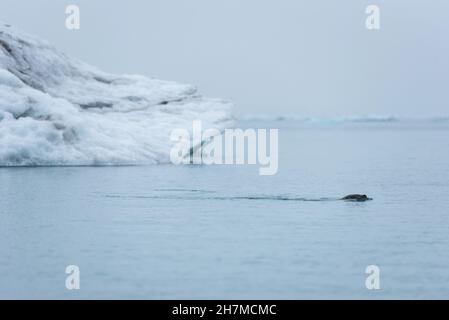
[{"x": 165, "y": 232}]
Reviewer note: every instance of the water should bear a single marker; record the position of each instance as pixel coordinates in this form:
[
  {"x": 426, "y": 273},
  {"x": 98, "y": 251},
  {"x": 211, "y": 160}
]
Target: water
[{"x": 205, "y": 232}]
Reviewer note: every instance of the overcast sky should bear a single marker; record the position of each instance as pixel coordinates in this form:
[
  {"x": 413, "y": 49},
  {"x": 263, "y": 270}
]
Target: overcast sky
[{"x": 308, "y": 58}]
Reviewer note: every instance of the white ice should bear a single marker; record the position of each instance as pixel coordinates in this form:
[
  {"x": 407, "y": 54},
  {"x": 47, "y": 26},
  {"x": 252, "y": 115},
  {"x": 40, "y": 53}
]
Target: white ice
[{"x": 56, "y": 110}]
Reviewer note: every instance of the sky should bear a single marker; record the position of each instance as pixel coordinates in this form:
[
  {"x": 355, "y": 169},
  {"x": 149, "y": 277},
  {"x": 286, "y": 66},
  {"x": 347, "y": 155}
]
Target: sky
[{"x": 311, "y": 58}]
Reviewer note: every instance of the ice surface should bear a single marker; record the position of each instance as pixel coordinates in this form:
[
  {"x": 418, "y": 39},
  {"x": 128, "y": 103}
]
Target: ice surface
[{"x": 56, "y": 110}]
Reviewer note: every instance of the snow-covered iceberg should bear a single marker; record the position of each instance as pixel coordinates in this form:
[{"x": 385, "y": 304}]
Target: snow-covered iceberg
[{"x": 56, "y": 110}]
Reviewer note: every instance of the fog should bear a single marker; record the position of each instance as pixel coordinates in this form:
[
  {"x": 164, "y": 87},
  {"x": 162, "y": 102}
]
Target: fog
[{"x": 307, "y": 58}]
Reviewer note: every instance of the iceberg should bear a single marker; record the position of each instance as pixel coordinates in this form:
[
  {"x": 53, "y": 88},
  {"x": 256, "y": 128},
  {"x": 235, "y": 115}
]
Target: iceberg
[{"x": 57, "y": 110}]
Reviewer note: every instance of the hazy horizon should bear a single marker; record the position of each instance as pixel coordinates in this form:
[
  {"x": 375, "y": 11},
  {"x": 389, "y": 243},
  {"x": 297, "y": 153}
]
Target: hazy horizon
[{"x": 309, "y": 59}]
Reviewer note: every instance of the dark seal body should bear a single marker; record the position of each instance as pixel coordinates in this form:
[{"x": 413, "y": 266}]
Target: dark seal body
[{"x": 356, "y": 197}]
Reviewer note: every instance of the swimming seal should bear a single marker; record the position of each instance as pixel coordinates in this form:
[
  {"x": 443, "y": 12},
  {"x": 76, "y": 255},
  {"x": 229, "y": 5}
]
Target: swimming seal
[{"x": 356, "y": 197}]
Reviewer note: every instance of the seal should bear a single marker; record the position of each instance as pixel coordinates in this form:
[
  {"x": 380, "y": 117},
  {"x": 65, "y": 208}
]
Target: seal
[{"x": 356, "y": 197}]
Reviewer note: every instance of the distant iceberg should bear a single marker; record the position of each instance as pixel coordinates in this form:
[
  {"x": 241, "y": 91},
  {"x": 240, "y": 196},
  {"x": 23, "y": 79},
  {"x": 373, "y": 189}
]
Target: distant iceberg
[
  {"x": 370, "y": 119},
  {"x": 56, "y": 110},
  {"x": 337, "y": 120}
]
